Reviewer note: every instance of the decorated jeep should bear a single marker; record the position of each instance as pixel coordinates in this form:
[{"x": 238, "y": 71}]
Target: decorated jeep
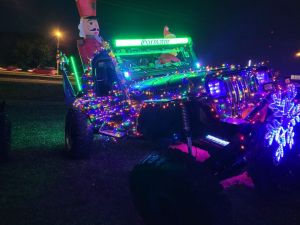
[
  {"x": 216, "y": 123},
  {"x": 219, "y": 122},
  {"x": 239, "y": 126},
  {"x": 118, "y": 91}
]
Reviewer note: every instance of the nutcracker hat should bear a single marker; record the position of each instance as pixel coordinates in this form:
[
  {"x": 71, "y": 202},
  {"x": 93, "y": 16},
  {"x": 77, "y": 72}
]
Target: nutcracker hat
[{"x": 86, "y": 8}]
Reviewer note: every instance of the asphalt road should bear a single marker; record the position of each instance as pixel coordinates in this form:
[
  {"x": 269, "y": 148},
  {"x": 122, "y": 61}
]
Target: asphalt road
[{"x": 42, "y": 186}]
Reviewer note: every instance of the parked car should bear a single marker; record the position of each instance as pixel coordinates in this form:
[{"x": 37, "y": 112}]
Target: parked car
[
  {"x": 44, "y": 70},
  {"x": 11, "y": 68}
]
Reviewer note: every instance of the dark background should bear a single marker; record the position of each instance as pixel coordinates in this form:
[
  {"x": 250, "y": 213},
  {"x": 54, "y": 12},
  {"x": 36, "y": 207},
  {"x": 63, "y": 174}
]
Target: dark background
[{"x": 223, "y": 31}]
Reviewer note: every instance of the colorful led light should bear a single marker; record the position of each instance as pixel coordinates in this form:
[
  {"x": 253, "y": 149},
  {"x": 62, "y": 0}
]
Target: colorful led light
[{"x": 105, "y": 112}]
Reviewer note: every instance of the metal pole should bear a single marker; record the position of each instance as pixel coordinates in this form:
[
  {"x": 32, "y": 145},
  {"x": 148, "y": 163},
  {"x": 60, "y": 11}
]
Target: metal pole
[
  {"x": 57, "y": 53},
  {"x": 187, "y": 128}
]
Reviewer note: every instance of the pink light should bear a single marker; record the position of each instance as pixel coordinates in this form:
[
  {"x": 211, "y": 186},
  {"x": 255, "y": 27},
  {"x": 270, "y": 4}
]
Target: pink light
[
  {"x": 243, "y": 179},
  {"x": 200, "y": 154},
  {"x": 242, "y": 137}
]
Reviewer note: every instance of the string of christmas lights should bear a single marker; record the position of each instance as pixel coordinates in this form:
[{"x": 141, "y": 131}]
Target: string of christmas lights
[{"x": 231, "y": 96}]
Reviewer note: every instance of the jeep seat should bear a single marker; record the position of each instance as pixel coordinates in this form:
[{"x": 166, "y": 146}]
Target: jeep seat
[{"x": 104, "y": 73}]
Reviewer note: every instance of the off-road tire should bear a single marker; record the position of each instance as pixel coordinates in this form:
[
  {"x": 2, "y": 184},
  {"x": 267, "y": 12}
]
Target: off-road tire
[
  {"x": 174, "y": 189},
  {"x": 78, "y": 134}
]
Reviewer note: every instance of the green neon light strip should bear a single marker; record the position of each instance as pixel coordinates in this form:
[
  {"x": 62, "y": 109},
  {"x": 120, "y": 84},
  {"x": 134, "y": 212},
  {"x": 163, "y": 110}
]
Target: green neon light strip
[
  {"x": 166, "y": 80},
  {"x": 76, "y": 73},
  {"x": 151, "y": 42},
  {"x": 142, "y": 52}
]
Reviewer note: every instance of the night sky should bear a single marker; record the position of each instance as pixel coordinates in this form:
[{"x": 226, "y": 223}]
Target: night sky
[{"x": 223, "y": 31}]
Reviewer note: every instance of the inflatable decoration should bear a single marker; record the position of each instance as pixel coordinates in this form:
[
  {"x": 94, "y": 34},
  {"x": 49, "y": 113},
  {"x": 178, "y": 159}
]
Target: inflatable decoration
[
  {"x": 171, "y": 56},
  {"x": 89, "y": 31}
]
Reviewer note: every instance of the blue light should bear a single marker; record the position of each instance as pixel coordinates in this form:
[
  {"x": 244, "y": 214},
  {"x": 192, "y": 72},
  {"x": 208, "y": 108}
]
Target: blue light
[
  {"x": 198, "y": 65},
  {"x": 262, "y": 77},
  {"x": 214, "y": 88},
  {"x": 286, "y": 115},
  {"x": 216, "y": 140},
  {"x": 250, "y": 62},
  {"x": 127, "y": 75}
]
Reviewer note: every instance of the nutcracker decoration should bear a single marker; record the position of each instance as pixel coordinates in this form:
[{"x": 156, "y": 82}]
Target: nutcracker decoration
[{"x": 91, "y": 42}]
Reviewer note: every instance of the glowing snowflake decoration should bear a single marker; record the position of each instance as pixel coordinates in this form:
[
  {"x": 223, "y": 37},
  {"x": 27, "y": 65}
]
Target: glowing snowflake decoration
[{"x": 286, "y": 116}]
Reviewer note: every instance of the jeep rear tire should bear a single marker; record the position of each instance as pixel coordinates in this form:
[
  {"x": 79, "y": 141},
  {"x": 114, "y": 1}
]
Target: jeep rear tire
[
  {"x": 78, "y": 134},
  {"x": 174, "y": 189}
]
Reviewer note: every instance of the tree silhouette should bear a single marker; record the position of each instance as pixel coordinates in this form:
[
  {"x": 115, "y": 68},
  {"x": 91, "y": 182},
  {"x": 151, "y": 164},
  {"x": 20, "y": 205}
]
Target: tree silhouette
[{"x": 32, "y": 52}]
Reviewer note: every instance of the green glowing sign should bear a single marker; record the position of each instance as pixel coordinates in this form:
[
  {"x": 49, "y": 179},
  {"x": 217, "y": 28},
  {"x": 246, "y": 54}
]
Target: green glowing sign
[
  {"x": 152, "y": 42},
  {"x": 76, "y": 73}
]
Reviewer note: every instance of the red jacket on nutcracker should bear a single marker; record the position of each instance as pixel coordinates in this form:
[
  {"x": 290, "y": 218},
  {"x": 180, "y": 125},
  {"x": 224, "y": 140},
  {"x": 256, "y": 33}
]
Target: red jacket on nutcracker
[{"x": 89, "y": 31}]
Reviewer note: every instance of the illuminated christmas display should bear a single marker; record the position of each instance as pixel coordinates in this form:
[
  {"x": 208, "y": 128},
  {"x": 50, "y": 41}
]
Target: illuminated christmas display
[
  {"x": 286, "y": 114},
  {"x": 235, "y": 92},
  {"x": 164, "y": 73},
  {"x": 157, "y": 90}
]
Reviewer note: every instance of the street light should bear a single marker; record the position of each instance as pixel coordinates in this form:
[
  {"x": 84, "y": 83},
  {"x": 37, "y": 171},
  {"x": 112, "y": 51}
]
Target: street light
[
  {"x": 297, "y": 54},
  {"x": 58, "y": 35}
]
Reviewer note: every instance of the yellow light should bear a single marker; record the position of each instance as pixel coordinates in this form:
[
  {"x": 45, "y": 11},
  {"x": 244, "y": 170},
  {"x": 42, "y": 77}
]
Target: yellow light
[
  {"x": 58, "y": 34},
  {"x": 297, "y": 54}
]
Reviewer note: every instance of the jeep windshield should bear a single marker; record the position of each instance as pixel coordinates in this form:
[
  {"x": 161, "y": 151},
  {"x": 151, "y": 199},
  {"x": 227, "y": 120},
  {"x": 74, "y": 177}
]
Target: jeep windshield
[{"x": 143, "y": 58}]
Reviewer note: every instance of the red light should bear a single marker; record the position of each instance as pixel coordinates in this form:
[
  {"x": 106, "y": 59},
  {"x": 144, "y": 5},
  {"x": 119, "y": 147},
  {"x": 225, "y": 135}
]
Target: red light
[{"x": 242, "y": 137}]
